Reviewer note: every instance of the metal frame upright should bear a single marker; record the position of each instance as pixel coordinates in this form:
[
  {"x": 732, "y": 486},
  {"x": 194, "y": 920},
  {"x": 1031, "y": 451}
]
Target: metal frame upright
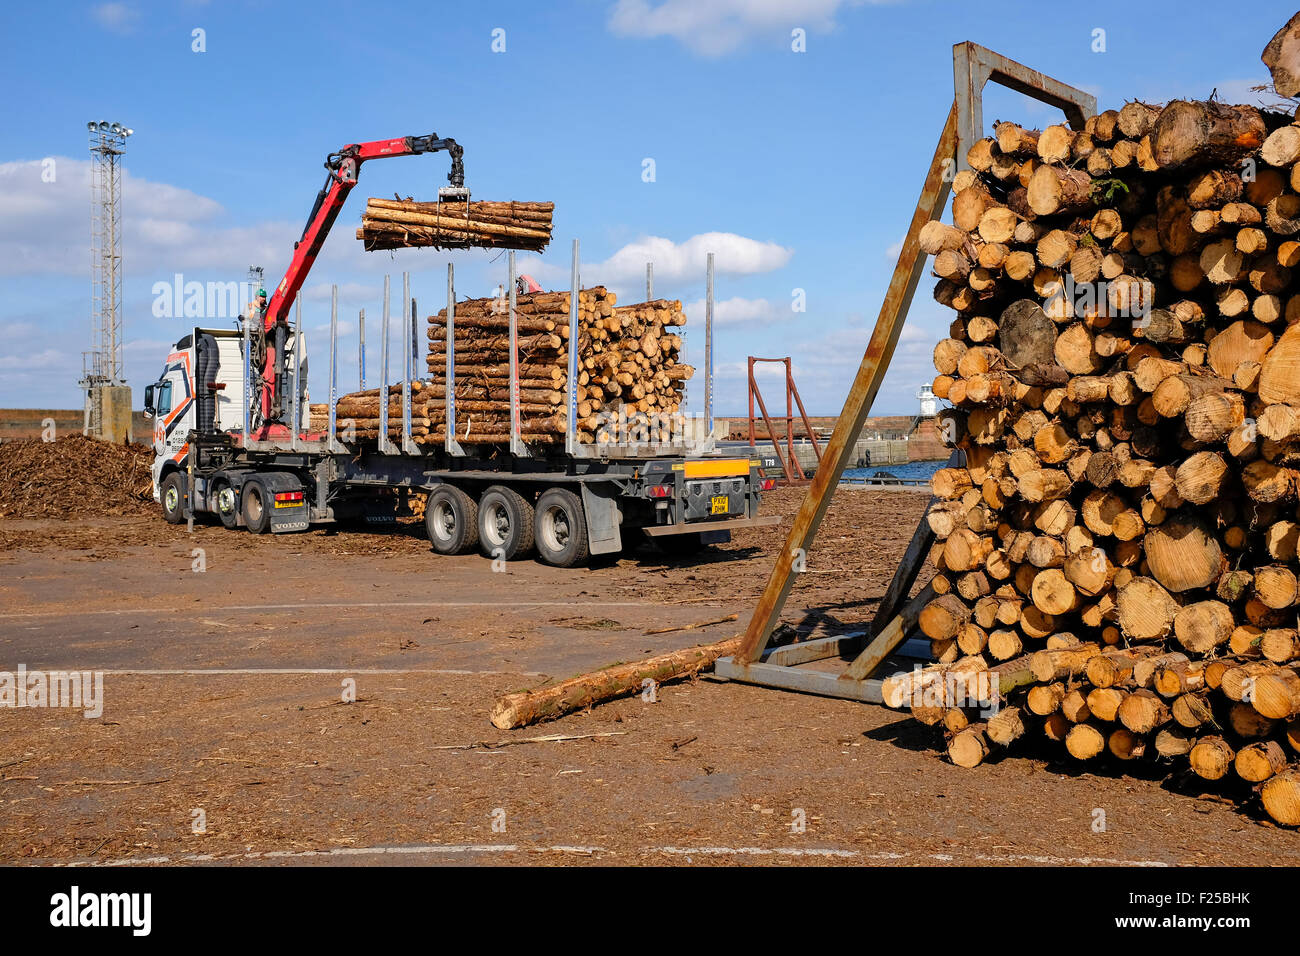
[{"x": 973, "y": 67}]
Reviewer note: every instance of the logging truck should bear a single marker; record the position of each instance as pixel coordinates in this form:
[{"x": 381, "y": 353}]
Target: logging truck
[
  {"x": 565, "y": 507},
  {"x": 233, "y": 434}
]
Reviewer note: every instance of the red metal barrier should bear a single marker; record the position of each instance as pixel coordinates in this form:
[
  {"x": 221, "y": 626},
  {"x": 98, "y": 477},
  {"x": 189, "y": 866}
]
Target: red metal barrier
[{"x": 789, "y": 465}]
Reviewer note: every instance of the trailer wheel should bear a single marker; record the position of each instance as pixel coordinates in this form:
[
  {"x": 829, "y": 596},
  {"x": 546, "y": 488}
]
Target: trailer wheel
[
  {"x": 505, "y": 523},
  {"x": 561, "y": 528},
  {"x": 226, "y": 505},
  {"x": 451, "y": 520},
  {"x": 257, "y": 516},
  {"x": 173, "y": 497}
]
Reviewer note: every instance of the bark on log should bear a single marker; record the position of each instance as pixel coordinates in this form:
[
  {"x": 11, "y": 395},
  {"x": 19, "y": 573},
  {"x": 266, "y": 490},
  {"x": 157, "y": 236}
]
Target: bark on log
[{"x": 1199, "y": 133}]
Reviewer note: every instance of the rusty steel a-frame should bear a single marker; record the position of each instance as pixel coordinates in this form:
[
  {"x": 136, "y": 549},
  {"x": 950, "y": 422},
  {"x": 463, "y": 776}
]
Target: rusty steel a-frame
[{"x": 973, "y": 67}]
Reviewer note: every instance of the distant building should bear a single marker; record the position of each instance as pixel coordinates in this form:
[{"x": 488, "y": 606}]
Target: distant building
[{"x": 929, "y": 404}]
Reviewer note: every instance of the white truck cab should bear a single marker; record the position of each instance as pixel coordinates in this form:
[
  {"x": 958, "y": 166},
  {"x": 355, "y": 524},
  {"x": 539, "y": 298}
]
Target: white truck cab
[{"x": 206, "y": 366}]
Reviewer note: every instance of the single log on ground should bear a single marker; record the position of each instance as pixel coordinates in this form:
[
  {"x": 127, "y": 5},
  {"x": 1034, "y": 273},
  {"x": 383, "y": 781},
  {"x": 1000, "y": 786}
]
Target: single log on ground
[{"x": 576, "y": 693}]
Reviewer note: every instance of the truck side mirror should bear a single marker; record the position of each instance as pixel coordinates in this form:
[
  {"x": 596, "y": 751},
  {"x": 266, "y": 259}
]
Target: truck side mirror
[{"x": 148, "y": 401}]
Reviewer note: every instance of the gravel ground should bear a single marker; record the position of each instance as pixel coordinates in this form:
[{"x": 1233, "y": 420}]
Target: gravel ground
[{"x": 222, "y": 704}]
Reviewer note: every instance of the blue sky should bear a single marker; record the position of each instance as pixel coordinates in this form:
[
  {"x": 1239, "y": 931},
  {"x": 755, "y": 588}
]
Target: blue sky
[{"x": 799, "y": 169}]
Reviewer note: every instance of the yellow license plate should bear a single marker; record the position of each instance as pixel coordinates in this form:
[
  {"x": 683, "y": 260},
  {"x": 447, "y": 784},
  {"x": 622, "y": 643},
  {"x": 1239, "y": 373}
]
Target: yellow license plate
[{"x": 719, "y": 504}]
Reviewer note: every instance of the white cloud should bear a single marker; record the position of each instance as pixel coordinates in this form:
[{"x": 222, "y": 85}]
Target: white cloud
[
  {"x": 44, "y": 359},
  {"x": 14, "y": 330},
  {"x": 116, "y": 16},
  {"x": 894, "y": 251},
  {"x": 624, "y": 271},
  {"x": 167, "y": 229},
  {"x": 45, "y": 226},
  {"x": 824, "y": 366},
  {"x": 740, "y": 311},
  {"x": 717, "y": 27},
  {"x": 733, "y": 255}
]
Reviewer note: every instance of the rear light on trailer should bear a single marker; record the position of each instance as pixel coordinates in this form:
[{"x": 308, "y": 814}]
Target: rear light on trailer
[
  {"x": 288, "y": 496},
  {"x": 660, "y": 491},
  {"x": 767, "y": 484}
]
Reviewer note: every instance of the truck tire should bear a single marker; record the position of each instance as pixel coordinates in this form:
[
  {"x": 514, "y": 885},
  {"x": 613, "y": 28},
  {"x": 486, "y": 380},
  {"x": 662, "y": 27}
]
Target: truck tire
[
  {"x": 174, "y": 499},
  {"x": 505, "y": 523},
  {"x": 560, "y": 528},
  {"x": 257, "y": 516},
  {"x": 226, "y": 504},
  {"x": 451, "y": 520}
]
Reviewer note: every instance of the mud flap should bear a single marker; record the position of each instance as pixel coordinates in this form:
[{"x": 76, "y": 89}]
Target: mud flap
[
  {"x": 284, "y": 515},
  {"x": 600, "y": 502}
]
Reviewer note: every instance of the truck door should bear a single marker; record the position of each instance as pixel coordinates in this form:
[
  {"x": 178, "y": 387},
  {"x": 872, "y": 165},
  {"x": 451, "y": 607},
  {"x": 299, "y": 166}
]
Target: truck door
[{"x": 174, "y": 407}]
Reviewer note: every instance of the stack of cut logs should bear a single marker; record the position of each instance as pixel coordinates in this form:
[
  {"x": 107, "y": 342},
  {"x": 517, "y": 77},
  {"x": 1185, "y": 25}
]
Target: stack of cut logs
[
  {"x": 357, "y": 413},
  {"x": 627, "y": 357},
  {"x": 402, "y": 223},
  {"x": 1119, "y": 548},
  {"x": 630, "y": 381}
]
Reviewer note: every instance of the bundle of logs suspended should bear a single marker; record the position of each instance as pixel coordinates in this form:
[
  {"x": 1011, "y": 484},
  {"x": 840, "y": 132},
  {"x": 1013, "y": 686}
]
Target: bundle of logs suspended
[
  {"x": 1116, "y": 561},
  {"x": 403, "y": 223},
  {"x": 629, "y": 375}
]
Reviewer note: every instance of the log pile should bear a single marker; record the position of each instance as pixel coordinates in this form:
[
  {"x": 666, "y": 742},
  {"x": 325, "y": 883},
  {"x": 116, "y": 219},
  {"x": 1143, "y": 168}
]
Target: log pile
[
  {"x": 403, "y": 223},
  {"x": 628, "y": 358},
  {"x": 357, "y": 413},
  {"x": 1116, "y": 562}
]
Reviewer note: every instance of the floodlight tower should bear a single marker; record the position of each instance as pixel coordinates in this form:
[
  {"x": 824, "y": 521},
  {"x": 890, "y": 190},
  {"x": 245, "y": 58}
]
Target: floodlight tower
[{"x": 102, "y": 373}]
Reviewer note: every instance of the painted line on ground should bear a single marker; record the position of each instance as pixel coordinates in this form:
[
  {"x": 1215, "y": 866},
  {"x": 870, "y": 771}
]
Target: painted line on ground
[
  {"x": 254, "y": 671},
  {"x": 470, "y": 849},
  {"x": 898, "y": 857},
  {"x": 310, "y": 606},
  {"x": 335, "y": 852},
  {"x": 752, "y": 851}
]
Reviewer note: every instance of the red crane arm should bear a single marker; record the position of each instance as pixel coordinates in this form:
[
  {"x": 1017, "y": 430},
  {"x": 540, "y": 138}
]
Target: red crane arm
[{"x": 342, "y": 169}]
